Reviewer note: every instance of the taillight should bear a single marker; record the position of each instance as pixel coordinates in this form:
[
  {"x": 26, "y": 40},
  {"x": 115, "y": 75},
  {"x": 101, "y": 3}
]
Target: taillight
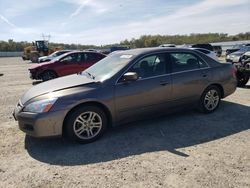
[{"x": 234, "y": 71}]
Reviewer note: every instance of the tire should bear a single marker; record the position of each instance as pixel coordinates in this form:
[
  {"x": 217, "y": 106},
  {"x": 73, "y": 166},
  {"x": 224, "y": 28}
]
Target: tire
[
  {"x": 48, "y": 75},
  {"x": 34, "y": 57},
  {"x": 85, "y": 124},
  {"x": 242, "y": 79},
  {"x": 211, "y": 95}
]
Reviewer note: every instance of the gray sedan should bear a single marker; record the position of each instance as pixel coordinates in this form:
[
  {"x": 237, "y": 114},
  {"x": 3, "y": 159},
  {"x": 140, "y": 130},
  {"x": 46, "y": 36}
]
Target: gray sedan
[{"x": 124, "y": 87}]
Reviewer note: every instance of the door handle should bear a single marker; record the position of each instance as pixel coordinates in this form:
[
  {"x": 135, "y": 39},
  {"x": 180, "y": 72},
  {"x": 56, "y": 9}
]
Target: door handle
[
  {"x": 204, "y": 74},
  {"x": 163, "y": 83}
]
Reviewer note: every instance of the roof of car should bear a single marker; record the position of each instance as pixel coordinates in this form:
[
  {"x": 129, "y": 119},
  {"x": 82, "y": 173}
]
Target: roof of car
[{"x": 139, "y": 51}]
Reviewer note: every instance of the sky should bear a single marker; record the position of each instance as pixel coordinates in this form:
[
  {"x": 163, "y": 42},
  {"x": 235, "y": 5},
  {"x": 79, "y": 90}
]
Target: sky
[{"x": 100, "y": 22}]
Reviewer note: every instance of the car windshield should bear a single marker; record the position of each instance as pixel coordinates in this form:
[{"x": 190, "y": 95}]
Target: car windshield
[
  {"x": 53, "y": 55},
  {"x": 58, "y": 57},
  {"x": 107, "y": 67}
]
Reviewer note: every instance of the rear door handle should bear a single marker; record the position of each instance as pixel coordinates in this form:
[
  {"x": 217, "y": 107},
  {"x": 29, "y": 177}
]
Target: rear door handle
[
  {"x": 163, "y": 82},
  {"x": 204, "y": 74}
]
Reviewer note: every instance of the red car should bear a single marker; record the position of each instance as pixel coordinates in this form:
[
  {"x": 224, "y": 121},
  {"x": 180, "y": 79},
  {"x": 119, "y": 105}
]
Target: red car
[{"x": 66, "y": 64}]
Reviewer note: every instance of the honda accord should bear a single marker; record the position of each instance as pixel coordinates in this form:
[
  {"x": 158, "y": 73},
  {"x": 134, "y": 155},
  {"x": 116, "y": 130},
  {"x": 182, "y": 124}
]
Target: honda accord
[{"x": 124, "y": 87}]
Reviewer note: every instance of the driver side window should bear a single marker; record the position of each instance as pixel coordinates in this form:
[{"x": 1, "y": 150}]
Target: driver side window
[
  {"x": 72, "y": 58},
  {"x": 150, "y": 66}
]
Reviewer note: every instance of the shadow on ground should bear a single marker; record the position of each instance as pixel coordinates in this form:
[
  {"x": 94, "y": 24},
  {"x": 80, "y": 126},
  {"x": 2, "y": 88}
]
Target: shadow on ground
[{"x": 161, "y": 134}]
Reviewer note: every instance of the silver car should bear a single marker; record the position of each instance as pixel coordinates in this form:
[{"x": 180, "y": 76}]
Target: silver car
[{"x": 124, "y": 87}]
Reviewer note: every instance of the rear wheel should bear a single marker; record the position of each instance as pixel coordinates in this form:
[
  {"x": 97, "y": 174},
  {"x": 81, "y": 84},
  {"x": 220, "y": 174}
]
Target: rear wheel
[
  {"x": 242, "y": 79},
  {"x": 48, "y": 75},
  {"x": 210, "y": 99},
  {"x": 86, "y": 124}
]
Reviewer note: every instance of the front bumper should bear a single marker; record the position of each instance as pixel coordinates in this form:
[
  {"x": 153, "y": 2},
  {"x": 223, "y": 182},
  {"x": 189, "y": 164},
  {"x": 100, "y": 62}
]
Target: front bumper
[
  {"x": 33, "y": 76},
  {"x": 40, "y": 125}
]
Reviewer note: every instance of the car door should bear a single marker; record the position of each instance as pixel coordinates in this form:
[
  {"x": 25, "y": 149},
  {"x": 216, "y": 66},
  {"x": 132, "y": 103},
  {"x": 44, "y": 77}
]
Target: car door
[
  {"x": 69, "y": 64},
  {"x": 190, "y": 76},
  {"x": 149, "y": 94}
]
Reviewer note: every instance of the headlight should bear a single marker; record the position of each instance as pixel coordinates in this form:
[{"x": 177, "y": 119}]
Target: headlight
[{"x": 40, "y": 106}]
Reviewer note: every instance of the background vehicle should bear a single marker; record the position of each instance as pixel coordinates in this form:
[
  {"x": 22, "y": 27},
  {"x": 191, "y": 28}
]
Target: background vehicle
[
  {"x": 235, "y": 56},
  {"x": 52, "y": 56},
  {"x": 38, "y": 49},
  {"x": 235, "y": 48},
  {"x": 69, "y": 63},
  {"x": 243, "y": 69},
  {"x": 124, "y": 87},
  {"x": 205, "y": 46},
  {"x": 211, "y": 54},
  {"x": 217, "y": 50}
]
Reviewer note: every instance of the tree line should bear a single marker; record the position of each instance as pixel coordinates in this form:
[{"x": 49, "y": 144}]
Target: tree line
[{"x": 143, "y": 41}]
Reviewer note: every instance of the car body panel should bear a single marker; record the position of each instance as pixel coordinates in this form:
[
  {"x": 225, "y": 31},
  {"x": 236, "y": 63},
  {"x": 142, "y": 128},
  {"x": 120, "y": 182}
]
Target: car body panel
[{"x": 142, "y": 97}]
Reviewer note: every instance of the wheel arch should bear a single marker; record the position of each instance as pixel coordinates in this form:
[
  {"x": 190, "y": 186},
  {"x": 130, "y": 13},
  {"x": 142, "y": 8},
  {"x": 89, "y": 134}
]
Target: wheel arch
[
  {"x": 219, "y": 86},
  {"x": 90, "y": 103}
]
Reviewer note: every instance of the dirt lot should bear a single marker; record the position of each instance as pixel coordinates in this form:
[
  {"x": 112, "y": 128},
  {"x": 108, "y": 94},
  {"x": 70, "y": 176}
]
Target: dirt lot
[{"x": 187, "y": 149}]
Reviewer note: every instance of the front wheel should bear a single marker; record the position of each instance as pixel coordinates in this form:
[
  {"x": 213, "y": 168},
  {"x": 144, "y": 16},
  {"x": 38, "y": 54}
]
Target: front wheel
[
  {"x": 86, "y": 124},
  {"x": 210, "y": 99}
]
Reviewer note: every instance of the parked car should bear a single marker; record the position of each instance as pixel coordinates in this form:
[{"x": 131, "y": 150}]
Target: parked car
[
  {"x": 124, "y": 87},
  {"x": 245, "y": 57},
  {"x": 66, "y": 64},
  {"x": 235, "y": 56},
  {"x": 52, "y": 56},
  {"x": 235, "y": 48},
  {"x": 218, "y": 50},
  {"x": 209, "y": 53},
  {"x": 205, "y": 46},
  {"x": 243, "y": 69}
]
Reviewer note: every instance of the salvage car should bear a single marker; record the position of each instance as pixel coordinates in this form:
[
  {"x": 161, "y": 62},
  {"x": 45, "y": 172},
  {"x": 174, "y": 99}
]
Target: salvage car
[
  {"x": 52, "y": 56},
  {"x": 66, "y": 64},
  {"x": 235, "y": 56},
  {"x": 235, "y": 48},
  {"x": 124, "y": 87},
  {"x": 243, "y": 69}
]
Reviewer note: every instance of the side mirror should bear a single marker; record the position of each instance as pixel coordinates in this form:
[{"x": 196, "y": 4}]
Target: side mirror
[{"x": 130, "y": 76}]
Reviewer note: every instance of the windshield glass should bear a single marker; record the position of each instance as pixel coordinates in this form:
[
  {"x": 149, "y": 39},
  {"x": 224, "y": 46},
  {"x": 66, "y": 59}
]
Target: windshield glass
[
  {"x": 53, "y": 55},
  {"x": 107, "y": 67}
]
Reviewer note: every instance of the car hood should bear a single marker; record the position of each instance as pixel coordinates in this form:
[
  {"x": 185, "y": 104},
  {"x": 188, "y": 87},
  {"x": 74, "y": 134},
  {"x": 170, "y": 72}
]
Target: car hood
[
  {"x": 37, "y": 65},
  {"x": 43, "y": 57},
  {"x": 55, "y": 85}
]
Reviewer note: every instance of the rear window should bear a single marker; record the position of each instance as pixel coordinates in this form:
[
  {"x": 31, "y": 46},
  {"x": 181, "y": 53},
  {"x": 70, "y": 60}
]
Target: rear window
[{"x": 183, "y": 61}]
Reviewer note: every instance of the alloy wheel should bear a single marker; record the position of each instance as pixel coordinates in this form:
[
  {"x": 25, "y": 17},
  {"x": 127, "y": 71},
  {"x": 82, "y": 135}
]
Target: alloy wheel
[
  {"x": 87, "y": 125},
  {"x": 211, "y": 99}
]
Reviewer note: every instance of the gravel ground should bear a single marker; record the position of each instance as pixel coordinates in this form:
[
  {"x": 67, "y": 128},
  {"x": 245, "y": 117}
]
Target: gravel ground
[{"x": 187, "y": 149}]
